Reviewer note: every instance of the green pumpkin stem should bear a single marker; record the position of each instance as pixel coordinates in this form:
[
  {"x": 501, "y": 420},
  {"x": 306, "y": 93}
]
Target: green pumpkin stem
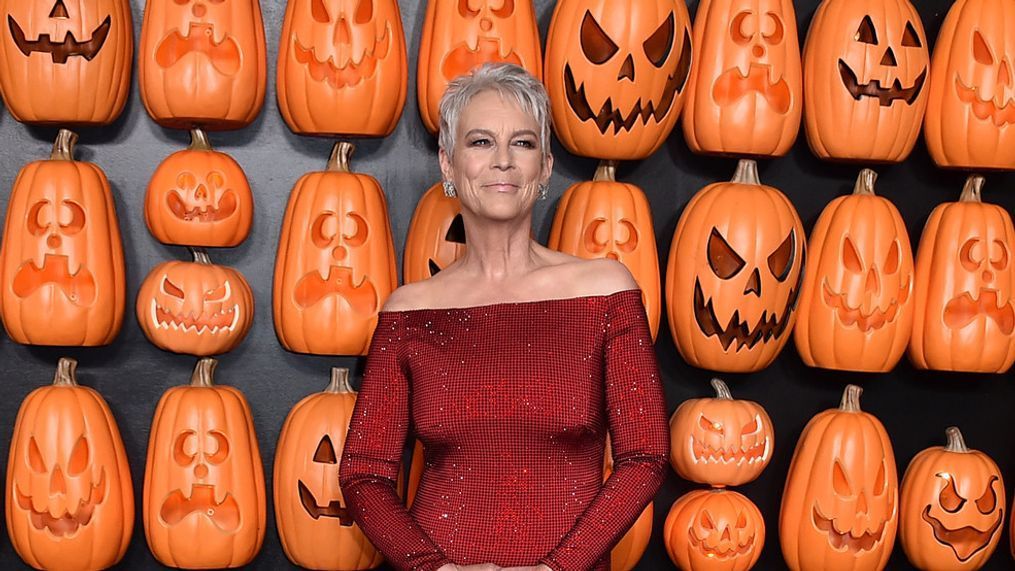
[
  {"x": 972, "y": 189},
  {"x": 865, "y": 182},
  {"x": 199, "y": 141},
  {"x": 606, "y": 171},
  {"x": 955, "y": 441},
  {"x": 200, "y": 255},
  {"x": 747, "y": 172},
  {"x": 204, "y": 373},
  {"x": 851, "y": 399},
  {"x": 63, "y": 147},
  {"x": 64, "y": 376},
  {"x": 339, "y": 381},
  {"x": 341, "y": 154},
  {"x": 721, "y": 390}
]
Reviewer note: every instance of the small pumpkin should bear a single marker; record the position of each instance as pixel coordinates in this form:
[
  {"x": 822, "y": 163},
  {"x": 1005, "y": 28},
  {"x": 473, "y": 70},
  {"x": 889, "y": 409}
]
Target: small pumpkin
[
  {"x": 714, "y": 530},
  {"x": 952, "y": 507},
  {"x": 436, "y": 236},
  {"x": 629, "y": 550}
]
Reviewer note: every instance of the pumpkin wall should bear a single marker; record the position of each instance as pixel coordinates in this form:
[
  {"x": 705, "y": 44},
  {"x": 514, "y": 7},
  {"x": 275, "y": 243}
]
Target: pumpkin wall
[{"x": 131, "y": 374}]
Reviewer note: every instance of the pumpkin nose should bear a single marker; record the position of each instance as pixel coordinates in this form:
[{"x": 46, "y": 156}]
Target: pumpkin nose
[
  {"x": 199, "y": 10},
  {"x": 612, "y": 256},
  {"x": 861, "y": 504},
  {"x": 53, "y": 241},
  {"x": 873, "y": 285},
  {"x": 339, "y": 253},
  {"x": 57, "y": 483},
  {"x": 200, "y": 471},
  {"x": 754, "y": 284},
  {"x": 201, "y": 193},
  {"x": 889, "y": 59},
  {"x": 343, "y": 36},
  {"x": 627, "y": 70},
  {"x": 1004, "y": 74},
  {"x": 726, "y": 534}
]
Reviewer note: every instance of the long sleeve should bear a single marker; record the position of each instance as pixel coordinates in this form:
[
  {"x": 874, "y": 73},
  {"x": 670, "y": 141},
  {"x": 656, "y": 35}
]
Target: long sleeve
[
  {"x": 636, "y": 412},
  {"x": 373, "y": 452}
]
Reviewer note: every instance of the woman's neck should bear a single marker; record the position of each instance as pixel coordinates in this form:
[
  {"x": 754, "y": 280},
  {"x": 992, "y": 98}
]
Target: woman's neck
[{"x": 499, "y": 250}]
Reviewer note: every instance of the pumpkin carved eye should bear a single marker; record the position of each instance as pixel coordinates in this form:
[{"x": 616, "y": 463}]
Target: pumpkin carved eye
[
  {"x": 319, "y": 11},
  {"x": 910, "y": 38},
  {"x": 1001, "y": 262},
  {"x": 365, "y": 12},
  {"x": 722, "y": 258},
  {"x": 506, "y": 9},
  {"x": 220, "y": 293},
  {"x": 851, "y": 257},
  {"x": 706, "y": 521},
  {"x": 778, "y": 30},
  {"x": 894, "y": 258},
  {"x": 221, "y": 447},
  {"x": 866, "y": 33},
  {"x": 325, "y": 453},
  {"x": 981, "y": 51},
  {"x": 183, "y": 452},
  {"x": 78, "y": 457},
  {"x": 657, "y": 46},
  {"x": 597, "y": 46},
  {"x": 880, "y": 481},
  {"x": 988, "y": 501},
  {"x": 781, "y": 260},
  {"x": 35, "y": 457},
  {"x": 77, "y": 218},
  {"x": 171, "y": 289},
  {"x": 970, "y": 259},
  {"x": 465, "y": 10},
  {"x": 741, "y": 521},
  {"x": 949, "y": 497},
  {"x": 840, "y": 483},
  {"x": 751, "y": 427},
  {"x": 710, "y": 425},
  {"x": 359, "y": 232}
]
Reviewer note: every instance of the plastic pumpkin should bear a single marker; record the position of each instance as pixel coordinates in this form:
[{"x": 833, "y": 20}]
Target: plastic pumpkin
[
  {"x": 714, "y": 530},
  {"x": 436, "y": 236}
]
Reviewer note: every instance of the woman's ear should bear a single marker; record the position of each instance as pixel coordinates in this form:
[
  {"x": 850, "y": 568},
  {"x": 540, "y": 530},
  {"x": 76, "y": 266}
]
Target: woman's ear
[
  {"x": 445, "y": 162},
  {"x": 544, "y": 177}
]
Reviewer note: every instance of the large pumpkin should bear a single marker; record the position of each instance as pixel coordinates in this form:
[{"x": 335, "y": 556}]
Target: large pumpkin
[
  {"x": 952, "y": 507},
  {"x": 70, "y": 503},
  {"x": 609, "y": 219},
  {"x": 202, "y": 63},
  {"x": 336, "y": 261},
  {"x": 971, "y": 107},
  {"x": 840, "y": 506},
  {"x": 342, "y": 67},
  {"x": 436, "y": 236},
  {"x": 615, "y": 72},
  {"x": 734, "y": 274},
  {"x": 745, "y": 94},
  {"x": 714, "y": 530},
  {"x": 856, "y": 310},
  {"x": 204, "y": 504},
  {"x": 65, "y": 62},
  {"x": 61, "y": 262},
  {"x": 459, "y": 36},
  {"x": 964, "y": 315},
  {"x": 865, "y": 80}
]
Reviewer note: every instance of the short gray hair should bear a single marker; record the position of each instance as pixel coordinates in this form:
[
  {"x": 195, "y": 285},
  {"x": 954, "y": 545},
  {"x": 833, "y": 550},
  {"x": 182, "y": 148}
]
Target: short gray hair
[{"x": 507, "y": 79}]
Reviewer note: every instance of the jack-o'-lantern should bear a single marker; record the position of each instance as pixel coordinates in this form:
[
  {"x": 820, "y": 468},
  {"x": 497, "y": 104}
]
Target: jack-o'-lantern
[
  {"x": 856, "y": 310},
  {"x": 840, "y": 506},
  {"x": 70, "y": 503},
  {"x": 336, "y": 261},
  {"x": 204, "y": 504},
  {"x": 64, "y": 62},
  {"x": 202, "y": 63},
  {"x": 314, "y": 524},
  {"x": 865, "y": 72},
  {"x": 720, "y": 441},
  {"x": 61, "y": 258},
  {"x": 714, "y": 530},
  {"x": 199, "y": 197},
  {"x": 745, "y": 94},
  {"x": 615, "y": 72},
  {"x": 734, "y": 274},
  {"x": 197, "y": 308},
  {"x": 342, "y": 67},
  {"x": 609, "y": 219},
  {"x": 625, "y": 555},
  {"x": 436, "y": 236},
  {"x": 459, "y": 35},
  {"x": 952, "y": 507},
  {"x": 964, "y": 315},
  {"x": 971, "y": 107}
]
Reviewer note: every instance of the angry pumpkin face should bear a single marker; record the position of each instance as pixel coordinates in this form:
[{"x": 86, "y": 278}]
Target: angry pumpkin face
[{"x": 714, "y": 529}]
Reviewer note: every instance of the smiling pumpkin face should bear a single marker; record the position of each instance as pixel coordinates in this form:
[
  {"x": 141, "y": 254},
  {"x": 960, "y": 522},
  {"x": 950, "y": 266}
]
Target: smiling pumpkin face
[{"x": 718, "y": 530}]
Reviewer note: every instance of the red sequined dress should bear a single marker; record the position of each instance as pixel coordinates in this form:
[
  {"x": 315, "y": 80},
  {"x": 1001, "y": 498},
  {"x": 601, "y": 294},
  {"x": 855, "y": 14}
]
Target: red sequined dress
[{"x": 512, "y": 402}]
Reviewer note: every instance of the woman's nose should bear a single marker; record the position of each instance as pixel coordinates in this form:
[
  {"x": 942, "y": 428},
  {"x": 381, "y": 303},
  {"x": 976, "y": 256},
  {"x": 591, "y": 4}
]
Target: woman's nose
[{"x": 502, "y": 157}]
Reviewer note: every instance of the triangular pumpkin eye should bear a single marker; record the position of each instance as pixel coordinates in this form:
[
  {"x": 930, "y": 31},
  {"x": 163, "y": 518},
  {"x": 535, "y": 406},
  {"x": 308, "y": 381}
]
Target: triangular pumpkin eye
[
  {"x": 988, "y": 501},
  {"x": 741, "y": 520},
  {"x": 35, "y": 456},
  {"x": 365, "y": 12},
  {"x": 781, "y": 260},
  {"x": 840, "y": 483},
  {"x": 78, "y": 457},
  {"x": 319, "y": 11},
  {"x": 325, "y": 452},
  {"x": 706, "y": 521},
  {"x": 910, "y": 38},
  {"x": 456, "y": 231},
  {"x": 598, "y": 46},
  {"x": 981, "y": 51},
  {"x": 866, "y": 33},
  {"x": 893, "y": 259},
  {"x": 657, "y": 47},
  {"x": 722, "y": 258},
  {"x": 851, "y": 257}
]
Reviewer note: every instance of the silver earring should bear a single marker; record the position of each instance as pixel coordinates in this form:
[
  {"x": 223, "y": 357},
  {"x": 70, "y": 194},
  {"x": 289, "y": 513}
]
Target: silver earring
[
  {"x": 449, "y": 189},
  {"x": 544, "y": 191}
]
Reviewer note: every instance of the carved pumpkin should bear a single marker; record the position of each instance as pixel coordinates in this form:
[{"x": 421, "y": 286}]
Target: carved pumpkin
[
  {"x": 964, "y": 316},
  {"x": 204, "y": 504},
  {"x": 745, "y": 93},
  {"x": 316, "y": 530},
  {"x": 615, "y": 72},
  {"x": 458, "y": 36},
  {"x": 61, "y": 258},
  {"x": 734, "y": 274},
  {"x": 342, "y": 67},
  {"x": 70, "y": 503},
  {"x": 336, "y": 261},
  {"x": 714, "y": 530},
  {"x": 952, "y": 507},
  {"x": 436, "y": 236},
  {"x": 840, "y": 507},
  {"x": 856, "y": 310},
  {"x": 66, "y": 62},
  {"x": 971, "y": 105},
  {"x": 628, "y": 551},
  {"x": 720, "y": 441},
  {"x": 196, "y": 308},
  {"x": 609, "y": 219}
]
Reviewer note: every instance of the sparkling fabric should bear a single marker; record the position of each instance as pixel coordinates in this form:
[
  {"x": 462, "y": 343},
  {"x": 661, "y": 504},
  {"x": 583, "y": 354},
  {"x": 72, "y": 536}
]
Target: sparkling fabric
[{"x": 512, "y": 402}]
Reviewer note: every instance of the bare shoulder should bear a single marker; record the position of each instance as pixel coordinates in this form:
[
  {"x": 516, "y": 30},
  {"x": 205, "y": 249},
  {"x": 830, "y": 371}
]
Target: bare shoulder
[
  {"x": 409, "y": 296},
  {"x": 582, "y": 277}
]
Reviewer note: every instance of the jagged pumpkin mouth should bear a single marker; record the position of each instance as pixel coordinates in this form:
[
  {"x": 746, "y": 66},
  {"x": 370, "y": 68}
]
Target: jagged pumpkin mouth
[
  {"x": 67, "y": 523},
  {"x": 733, "y": 85},
  {"x": 78, "y": 287},
  {"x": 871, "y": 320},
  {"x": 312, "y": 288},
  {"x": 749, "y": 455},
  {"x": 846, "y": 541},
  {"x": 334, "y": 509},
  {"x": 227, "y": 206},
  {"x": 462, "y": 59},
  {"x": 965, "y": 541},
  {"x": 60, "y": 52},
  {"x": 769, "y": 325},
  {"x": 985, "y": 109},
  {"x": 224, "y": 514},
  {"x": 351, "y": 73},
  {"x": 720, "y": 551},
  {"x": 886, "y": 96},
  {"x": 207, "y": 323},
  {"x": 200, "y": 38},
  {"x": 964, "y": 308}
]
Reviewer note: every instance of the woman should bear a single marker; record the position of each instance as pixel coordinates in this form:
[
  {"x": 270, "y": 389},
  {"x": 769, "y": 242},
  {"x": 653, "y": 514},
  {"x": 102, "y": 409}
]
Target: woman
[{"x": 510, "y": 365}]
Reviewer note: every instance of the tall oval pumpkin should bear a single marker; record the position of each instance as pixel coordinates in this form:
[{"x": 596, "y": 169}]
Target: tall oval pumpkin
[{"x": 436, "y": 236}]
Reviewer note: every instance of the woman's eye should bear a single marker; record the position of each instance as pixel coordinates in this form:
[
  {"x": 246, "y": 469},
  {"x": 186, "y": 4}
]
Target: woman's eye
[
  {"x": 479, "y": 143},
  {"x": 526, "y": 143}
]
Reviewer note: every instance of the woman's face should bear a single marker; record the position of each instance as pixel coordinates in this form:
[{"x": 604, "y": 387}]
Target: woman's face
[{"x": 498, "y": 163}]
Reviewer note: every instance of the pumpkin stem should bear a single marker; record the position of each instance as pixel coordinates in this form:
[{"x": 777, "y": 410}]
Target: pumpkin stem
[
  {"x": 865, "y": 182},
  {"x": 971, "y": 190},
  {"x": 200, "y": 256},
  {"x": 199, "y": 140},
  {"x": 955, "y": 441},
  {"x": 204, "y": 373},
  {"x": 63, "y": 147},
  {"x": 851, "y": 399},
  {"x": 747, "y": 172},
  {"x": 721, "y": 390},
  {"x": 340, "y": 155},
  {"x": 606, "y": 171},
  {"x": 64, "y": 376},
  {"x": 339, "y": 381}
]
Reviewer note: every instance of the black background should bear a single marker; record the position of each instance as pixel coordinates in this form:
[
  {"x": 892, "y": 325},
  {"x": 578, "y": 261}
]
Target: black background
[{"x": 132, "y": 374}]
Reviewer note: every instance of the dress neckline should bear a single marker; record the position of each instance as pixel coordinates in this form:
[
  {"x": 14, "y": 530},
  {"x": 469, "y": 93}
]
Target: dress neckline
[{"x": 501, "y": 304}]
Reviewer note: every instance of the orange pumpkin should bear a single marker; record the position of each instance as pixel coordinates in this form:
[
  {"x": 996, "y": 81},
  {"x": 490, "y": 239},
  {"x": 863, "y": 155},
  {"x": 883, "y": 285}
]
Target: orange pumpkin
[
  {"x": 745, "y": 93},
  {"x": 70, "y": 503},
  {"x": 64, "y": 62},
  {"x": 342, "y": 67},
  {"x": 203, "y": 63},
  {"x": 61, "y": 262},
  {"x": 734, "y": 274},
  {"x": 856, "y": 310},
  {"x": 459, "y": 36},
  {"x": 952, "y": 507},
  {"x": 628, "y": 551},
  {"x": 199, "y": 197},
  {"x": 336, "y": 261},
  {"x": 865, "y": 72},
  {"x": 196, "y": 308},
  {"x": 971, "y": 107},
  {"x": 720, "y": 441},
  {"x": 615, "y": 72},
  {"x": 436, "y": 236},
  {"x": 840, "y": 506},
  {"x": 964, "y": 315},
  {"x": 609, "y": 219},
  {"x": 714, "y": 530},
  {"x": 204, "y": 504}
]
